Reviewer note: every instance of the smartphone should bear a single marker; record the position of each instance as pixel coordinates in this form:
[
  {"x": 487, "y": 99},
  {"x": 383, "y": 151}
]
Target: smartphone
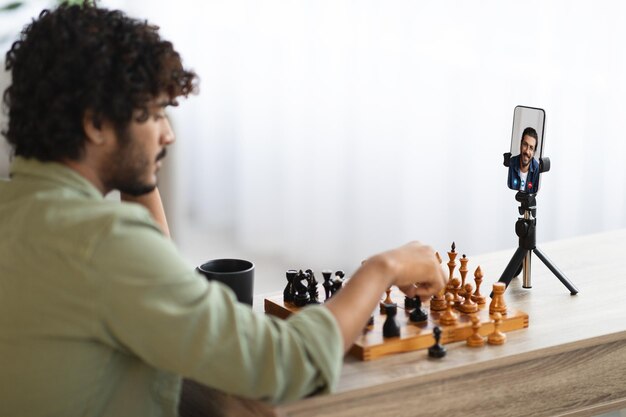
[{"x": 526, "y": 149}]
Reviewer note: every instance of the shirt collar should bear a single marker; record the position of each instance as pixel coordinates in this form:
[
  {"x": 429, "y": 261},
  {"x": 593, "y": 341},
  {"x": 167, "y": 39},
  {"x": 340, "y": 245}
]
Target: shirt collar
[{"x": 54, "y": 172}]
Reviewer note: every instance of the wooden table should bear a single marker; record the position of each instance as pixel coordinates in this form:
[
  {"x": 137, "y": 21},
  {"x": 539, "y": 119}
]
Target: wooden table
[{"x": 570, "y": 361}]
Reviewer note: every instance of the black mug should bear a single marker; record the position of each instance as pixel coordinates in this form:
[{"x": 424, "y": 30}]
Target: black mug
[{"x": 238, "y": 274}]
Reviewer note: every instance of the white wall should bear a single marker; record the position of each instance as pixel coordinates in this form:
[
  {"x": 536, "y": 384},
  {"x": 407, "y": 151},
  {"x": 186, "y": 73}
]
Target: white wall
[{"x": 328, "y": 130}]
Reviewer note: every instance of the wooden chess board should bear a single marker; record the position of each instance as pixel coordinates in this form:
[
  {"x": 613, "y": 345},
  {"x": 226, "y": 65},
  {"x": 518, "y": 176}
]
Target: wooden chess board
[{"x": 413, "y": 336}]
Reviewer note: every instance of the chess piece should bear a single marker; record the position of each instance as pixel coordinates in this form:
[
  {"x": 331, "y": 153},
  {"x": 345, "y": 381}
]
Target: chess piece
[
  {"x": 448, "y": 317},
  {"x": 289, "y": 290},
  {"x": 468, "y": 306},
  {"x": 409, "y": 303},
  {"x": 437, "y": 350},
  {"x": 337, "y": 282},
  {"x": 312, "y": 287},
  {"x": 497, "y": 337},
  {"x": 386, "y": 301},
  {"x": 498, "y": 304},
  {"x": 475, "y": 340},
  {"x": 452, "y": 263},
  {"x": 388, "y": 297},
  {"x": 301, "y": 297},
  {"x": 418, "y": 315},
  {"x": 463, "y": 271},
  {"x": 449, "y": 288},
  {"x": 477, "y": 296},
  {"x": 327, "y": 284},
  {"x": 336, "y": 285},
  {"x": 438, "y": 301},
  {"x": 390, "y": 327},
  {"x": 456, "y": 287},
  {"x": 451, "y": 266}
]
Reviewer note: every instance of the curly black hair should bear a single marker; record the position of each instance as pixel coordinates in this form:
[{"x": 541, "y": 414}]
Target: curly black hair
[{"x": 79, "y": 58}]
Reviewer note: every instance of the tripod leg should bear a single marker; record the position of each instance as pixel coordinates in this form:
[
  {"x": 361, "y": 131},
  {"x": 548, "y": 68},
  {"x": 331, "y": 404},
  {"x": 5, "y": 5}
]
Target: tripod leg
[
  {"x": 526, "y": 262},
  {"x": 514, "y": 265},
  {"x": 556, "y": 271}
]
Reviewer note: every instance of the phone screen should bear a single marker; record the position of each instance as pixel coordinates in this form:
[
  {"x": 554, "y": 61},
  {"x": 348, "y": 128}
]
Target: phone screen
[{"x": 526, "y": 149}]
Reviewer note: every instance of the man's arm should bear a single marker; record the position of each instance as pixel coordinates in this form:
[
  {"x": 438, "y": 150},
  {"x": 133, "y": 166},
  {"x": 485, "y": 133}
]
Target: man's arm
[
  {"x": 412, "y": 267},
  {"x": 152, "y": 303},
  {"x": 351, "y": 307},
  {"x": 280, "y": 346},
  {"x": 151, "y": 201}
]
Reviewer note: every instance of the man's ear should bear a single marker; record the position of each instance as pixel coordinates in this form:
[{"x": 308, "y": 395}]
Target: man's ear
[{"x": 93, "y": 128}]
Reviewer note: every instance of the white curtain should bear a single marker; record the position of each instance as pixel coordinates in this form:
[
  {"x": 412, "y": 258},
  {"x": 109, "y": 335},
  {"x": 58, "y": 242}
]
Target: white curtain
[{"x": 329, "y": 130}]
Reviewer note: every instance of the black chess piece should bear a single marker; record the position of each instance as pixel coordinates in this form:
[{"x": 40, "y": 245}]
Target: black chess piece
[
  {"x": 409, "y": 303},
  {"x": 336, "y": 286},
  {"x": 390, "y": 327},
  {"x": 301, "y": 297},
  {"x": 327, "y": 284},
  {"x": 337, "y": 282},
  {"x": 418, "y": 314},
  {"x": 289, "y": 291},
  {"x": 437, "y": 350},
  {"x": 312, "y": 287}
]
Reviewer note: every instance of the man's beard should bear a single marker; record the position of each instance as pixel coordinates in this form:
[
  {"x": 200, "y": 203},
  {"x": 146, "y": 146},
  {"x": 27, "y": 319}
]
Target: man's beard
[
  {"x": 136, "y": 188},
  {"x": 129, "y": 166}
]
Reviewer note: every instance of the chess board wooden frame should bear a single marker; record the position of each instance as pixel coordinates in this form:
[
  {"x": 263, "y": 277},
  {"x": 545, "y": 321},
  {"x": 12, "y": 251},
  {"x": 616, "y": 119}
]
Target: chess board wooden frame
[{"x": 413, "y": 336}]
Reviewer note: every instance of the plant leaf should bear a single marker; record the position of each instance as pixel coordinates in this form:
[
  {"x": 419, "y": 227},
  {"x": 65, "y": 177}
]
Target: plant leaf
[{"x": 12, "y": 6}]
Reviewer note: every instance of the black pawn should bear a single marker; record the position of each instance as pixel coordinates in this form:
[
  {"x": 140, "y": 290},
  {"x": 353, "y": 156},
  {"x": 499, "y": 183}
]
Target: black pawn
[
  {"x": 419, "y": 314},
  {"x": 437, "y": 350},
  {"x": 390, "y": 327}
]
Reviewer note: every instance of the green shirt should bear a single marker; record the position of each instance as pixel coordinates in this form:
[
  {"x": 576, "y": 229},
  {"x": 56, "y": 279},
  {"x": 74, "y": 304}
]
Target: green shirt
[{"x": 101, "y": 316}]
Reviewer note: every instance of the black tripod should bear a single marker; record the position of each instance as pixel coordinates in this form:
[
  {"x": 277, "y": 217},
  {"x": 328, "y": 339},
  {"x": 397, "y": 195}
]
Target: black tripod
[{"x": 525, "y": 229}]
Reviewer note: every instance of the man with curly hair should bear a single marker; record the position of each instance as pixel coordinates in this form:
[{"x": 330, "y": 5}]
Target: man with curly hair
[{"x": 99, "y": 313}]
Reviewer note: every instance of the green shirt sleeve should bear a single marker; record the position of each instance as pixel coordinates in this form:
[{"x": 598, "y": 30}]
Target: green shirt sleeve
[{"x": 155, "y": 306}]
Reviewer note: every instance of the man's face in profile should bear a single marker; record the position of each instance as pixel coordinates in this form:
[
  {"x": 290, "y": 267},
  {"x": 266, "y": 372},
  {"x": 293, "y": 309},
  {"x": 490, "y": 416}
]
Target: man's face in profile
[
  {"x": 527, "y": 151},
  {"x": 137, "y": 157}
]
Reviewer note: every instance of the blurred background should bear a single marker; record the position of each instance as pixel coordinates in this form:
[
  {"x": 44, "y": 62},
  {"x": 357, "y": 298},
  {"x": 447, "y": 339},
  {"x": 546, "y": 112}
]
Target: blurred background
[{"x": 328, "y": 130}]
